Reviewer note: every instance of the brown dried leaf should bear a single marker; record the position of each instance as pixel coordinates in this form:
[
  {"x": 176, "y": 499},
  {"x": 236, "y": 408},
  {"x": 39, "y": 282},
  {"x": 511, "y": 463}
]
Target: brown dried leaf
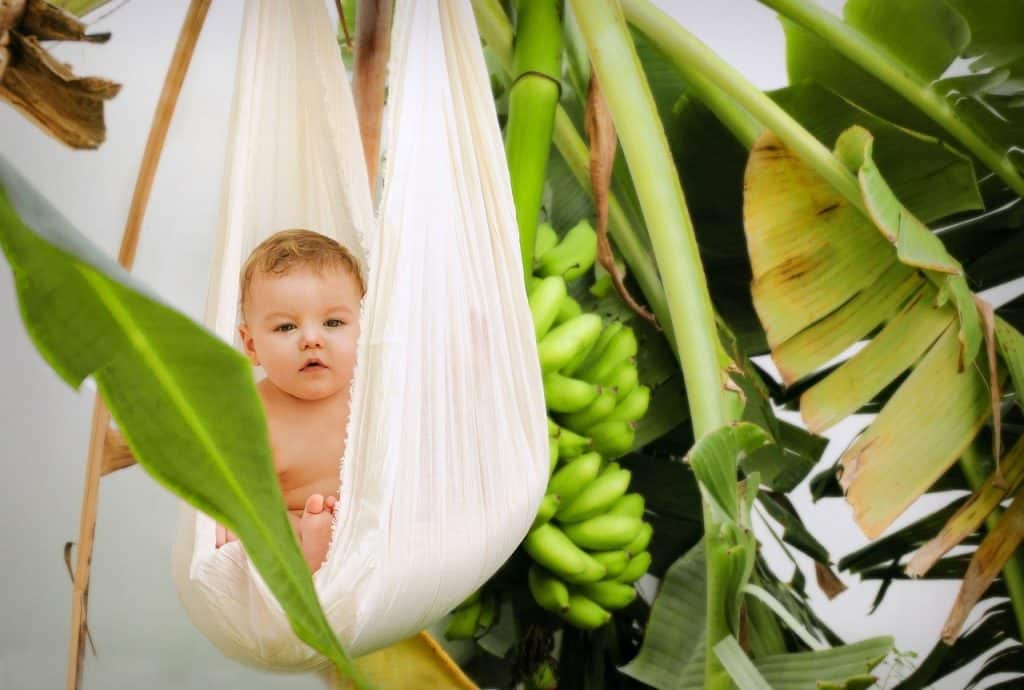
[
  {"x": 993, "y": 553},
  {"x": 603, "y": 142},
  {"x": 828, "y": 581},
  {"x": 970, "y": 516}
]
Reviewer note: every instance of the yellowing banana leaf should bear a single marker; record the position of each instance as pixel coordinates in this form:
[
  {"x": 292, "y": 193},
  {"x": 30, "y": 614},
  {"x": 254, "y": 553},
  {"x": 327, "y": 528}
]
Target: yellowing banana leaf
[
  {"x": 417, "y": 662},
  {"x": 184, "y": 400},
  {"x": 797, "y": 226}
]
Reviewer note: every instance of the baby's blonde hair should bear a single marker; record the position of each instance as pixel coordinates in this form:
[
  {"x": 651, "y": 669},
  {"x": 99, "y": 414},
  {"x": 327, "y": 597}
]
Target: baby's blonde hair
[{"x": 288, "y": 249}]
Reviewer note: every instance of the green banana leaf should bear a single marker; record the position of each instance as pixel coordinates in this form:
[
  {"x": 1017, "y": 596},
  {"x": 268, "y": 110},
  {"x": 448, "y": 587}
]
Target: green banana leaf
[
  {"x": 184, "y": 400},
  {"x": 989, "y": 33},
  {"x": 672, "y": 655}
]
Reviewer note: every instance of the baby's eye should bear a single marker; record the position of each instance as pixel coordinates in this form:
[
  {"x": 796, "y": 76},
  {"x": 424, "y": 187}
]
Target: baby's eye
[
  {"x": 334, "y": 323},
  {"x": 285, "y": 327}
]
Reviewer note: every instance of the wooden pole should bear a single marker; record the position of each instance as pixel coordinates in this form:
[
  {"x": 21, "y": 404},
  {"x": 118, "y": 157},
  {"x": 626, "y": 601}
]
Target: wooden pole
[
  {"x": 373, "y": 44},
  {"x": 191, "y": 27}
]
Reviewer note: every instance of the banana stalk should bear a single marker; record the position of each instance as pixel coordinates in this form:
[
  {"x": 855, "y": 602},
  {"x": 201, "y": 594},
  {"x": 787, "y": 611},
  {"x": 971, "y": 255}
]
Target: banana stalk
[
  {"x": 532, "y": 102},
  {"x": 497, "y": 34},
  {"x": 675, "y": 247},
  {"x": 684, "y": 49}
]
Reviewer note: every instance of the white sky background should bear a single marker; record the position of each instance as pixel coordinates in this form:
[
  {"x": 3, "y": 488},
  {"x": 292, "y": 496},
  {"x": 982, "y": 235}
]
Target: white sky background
[{"x": 141, "y": 633}]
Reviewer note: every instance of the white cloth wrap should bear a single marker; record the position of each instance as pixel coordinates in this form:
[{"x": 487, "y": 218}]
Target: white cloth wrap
[{"x": 446, "y": 458}]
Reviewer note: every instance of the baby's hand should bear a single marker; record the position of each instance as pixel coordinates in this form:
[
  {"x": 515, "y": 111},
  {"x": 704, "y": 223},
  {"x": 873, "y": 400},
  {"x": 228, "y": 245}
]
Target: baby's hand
[{"x": 224, "y": 535}]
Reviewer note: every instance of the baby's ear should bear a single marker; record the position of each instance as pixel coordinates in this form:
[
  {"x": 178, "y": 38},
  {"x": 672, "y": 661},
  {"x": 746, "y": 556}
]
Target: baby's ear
[{"x": 248, "y": 345}]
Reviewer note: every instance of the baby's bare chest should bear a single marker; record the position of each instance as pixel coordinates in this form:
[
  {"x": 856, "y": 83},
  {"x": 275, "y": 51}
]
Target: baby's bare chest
[{"x": 307, "y": 458}]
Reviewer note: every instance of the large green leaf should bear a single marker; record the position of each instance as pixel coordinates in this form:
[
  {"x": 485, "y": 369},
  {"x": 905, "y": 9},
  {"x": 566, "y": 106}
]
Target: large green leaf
[
  {"x": 986, "y": 100},
  {"x": 184, "y": 400}
]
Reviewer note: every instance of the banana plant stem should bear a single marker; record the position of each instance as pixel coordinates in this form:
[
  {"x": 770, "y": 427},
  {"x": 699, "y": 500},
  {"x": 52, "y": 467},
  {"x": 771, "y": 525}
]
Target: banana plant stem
[
  {"x": 532, "y": 103},
  {"x": 856, "y": 47},
  {"x": 974, "y": 464},
  {"x": 496, "y": 31},
  {"x": 691, "y": 56},
  {"x": 613, "y": 57},
  {"x": 664, "y": 207}
]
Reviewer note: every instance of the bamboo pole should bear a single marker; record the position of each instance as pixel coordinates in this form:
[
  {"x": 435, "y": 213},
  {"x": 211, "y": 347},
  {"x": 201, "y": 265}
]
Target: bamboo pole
[{"x": 183, "y": 51}]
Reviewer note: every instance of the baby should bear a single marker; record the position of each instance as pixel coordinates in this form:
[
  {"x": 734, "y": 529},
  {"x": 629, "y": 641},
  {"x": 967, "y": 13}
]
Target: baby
[{"x": 300, "y": 297}]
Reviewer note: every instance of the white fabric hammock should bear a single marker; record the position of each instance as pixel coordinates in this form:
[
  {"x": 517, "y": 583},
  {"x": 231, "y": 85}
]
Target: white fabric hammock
[{"x": 446, "y": 461}]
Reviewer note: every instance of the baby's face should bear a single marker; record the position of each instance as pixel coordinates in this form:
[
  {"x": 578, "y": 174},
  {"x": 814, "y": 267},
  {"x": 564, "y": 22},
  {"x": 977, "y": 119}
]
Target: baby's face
[{"x": 303, "y": 327}]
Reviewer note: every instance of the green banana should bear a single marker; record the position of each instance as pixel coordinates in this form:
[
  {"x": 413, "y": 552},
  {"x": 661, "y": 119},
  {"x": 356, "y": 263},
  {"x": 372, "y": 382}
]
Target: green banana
[
  {"x": 638, "y": 565},
  {"x": 550, "y": 593},
  {"x": 462, "y": 624},
  {"x": 567, "y": 309},
  {"x": 563, "y": 342},
  {"x": 552, "y": 454},
  {"x": 609, "y": 468},
  {"x": 573, "y": 256},
  {"x": 594, "y": 412},
  {"x": 544, "y": 241},
  {"x": 553, "y": 429},
  {"x": 564, "y": 394},
  {"x": 548, "y": 507},
  {"x": 545, "y": 300},
  {"x": 585, "y": 613},
  {"x": 571, "y": 445},
  {"x": 603, "y": 532},
  {"x": 631, "y": 505},
  {"x": 574, "y": 476},
  {"x": 612, "y": 439},
  {"x": 633, "y": 407},
  {"x": 592, "y": 573},
  {"x": 596, "y": 498},
  {"x": 614, "y": 561},
  {"x": 621, "y": 347},
  {"x": 609, "y": 594},
  {"x": 607, "y": 333},
  {"x": 641, "y": 541},
  {"x": 550, "y": 547},
  {"x": 625, "y": 378}
]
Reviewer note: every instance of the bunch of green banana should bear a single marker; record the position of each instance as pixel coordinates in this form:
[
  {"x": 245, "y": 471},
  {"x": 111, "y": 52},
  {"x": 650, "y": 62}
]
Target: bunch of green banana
[
  {"x": 590, "y": 544},
  {"x": 588, "y": 541},
  {"x": 473, "y": 616}
]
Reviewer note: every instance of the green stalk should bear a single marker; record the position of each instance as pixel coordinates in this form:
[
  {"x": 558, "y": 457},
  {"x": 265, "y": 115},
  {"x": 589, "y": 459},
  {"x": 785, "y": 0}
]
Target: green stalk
[
  {"x": 532, "y": 102},
  {"x": 975, "y": 464},
  {"x": 857, "y": 48},
  {"x": 664, "y": 208},
  {"x": 690, "y": 55},
  {"x": 497, "y": 34},
  {"x": 647, "y": 153}
]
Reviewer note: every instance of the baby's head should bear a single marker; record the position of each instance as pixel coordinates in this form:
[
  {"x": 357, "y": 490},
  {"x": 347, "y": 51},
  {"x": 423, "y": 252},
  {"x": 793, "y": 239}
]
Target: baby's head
[{"x": 300, "y": 297}]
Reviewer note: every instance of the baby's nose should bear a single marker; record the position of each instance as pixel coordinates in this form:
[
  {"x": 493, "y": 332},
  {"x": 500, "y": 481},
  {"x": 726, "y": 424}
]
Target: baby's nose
[{"x": 312, "y": 337}]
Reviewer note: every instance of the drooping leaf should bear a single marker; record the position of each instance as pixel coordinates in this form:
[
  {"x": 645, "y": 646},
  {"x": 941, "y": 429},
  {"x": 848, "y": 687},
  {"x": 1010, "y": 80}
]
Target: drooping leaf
[
  {"x": 816, "y": 259},
  {"x": 184, "y": 400},
  {"x": 672, "y": 655}
]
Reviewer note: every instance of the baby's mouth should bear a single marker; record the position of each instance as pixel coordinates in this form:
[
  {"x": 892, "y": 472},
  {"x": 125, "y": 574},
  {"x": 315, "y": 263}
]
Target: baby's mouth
[{"x": 313, "y": 365}]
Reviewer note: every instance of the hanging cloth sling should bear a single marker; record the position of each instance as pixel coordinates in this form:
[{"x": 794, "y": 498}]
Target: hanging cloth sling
[{"x": 446, "y": 456}]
